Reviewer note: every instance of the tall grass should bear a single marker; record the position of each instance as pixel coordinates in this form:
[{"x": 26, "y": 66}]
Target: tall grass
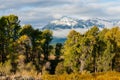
[{"x": 88, "y": 76}]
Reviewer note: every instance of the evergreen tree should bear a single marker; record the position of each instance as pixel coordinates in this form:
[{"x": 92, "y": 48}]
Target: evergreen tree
[{"x": 9, "y": 32}]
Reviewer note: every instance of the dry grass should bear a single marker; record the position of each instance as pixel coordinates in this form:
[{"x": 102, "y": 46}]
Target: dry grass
[{"x": 98, "y": 76}]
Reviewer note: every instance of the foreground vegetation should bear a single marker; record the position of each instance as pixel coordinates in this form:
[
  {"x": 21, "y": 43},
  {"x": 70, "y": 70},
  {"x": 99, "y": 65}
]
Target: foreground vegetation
[
  {"x": 84, "y": 76},
  {"x": 26, "y": 53}
]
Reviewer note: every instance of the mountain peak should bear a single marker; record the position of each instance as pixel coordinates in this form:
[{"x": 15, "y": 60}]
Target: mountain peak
[
  {"x": 66, "y": 22},
  {"x": 61, "y": 27}
]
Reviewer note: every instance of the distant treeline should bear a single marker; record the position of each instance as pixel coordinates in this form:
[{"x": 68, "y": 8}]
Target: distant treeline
[{"x": 25, "y": 49}]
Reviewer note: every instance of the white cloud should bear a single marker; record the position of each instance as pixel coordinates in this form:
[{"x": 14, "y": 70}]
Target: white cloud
[
  {"x": 57, "y": 16},
  {"x": 114, "y": 10}
]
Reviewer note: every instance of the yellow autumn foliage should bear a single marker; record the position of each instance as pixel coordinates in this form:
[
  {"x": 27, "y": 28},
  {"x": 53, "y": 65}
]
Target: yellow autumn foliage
[{"x": 23, "y": 39}]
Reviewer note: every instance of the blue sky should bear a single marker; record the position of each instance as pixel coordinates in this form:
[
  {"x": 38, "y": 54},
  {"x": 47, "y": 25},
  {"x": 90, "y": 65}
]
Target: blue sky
[{"x": 40, "y": 12}]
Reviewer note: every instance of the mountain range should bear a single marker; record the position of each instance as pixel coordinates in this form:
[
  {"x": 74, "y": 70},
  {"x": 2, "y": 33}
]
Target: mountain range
[{"x": 62, "y": 26}]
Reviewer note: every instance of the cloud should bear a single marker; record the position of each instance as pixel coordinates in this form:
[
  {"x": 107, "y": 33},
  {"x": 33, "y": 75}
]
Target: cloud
[
  {"x": 57, "y": 16},
  {"x": 40, "y": 12}
]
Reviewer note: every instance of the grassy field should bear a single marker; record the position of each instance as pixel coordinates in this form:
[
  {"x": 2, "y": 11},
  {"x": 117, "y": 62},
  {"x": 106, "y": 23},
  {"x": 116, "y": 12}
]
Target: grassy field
[{"x": 85, "y": 76}]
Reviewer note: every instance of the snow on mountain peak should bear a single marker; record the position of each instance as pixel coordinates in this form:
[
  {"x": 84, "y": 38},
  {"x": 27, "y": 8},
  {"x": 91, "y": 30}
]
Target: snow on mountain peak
[
  {"x": 62, "y": 26},
  {"x": 65, "y": 21}
]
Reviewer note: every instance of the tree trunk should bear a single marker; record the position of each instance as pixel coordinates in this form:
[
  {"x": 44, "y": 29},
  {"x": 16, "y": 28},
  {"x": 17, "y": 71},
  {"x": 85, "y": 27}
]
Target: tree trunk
[{"x": 82, "y": 66}]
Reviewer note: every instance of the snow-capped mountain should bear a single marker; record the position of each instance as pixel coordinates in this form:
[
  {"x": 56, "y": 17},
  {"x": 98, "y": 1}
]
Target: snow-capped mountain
[
  {"x": 62, "y": 23},
  {"x": 62, "y": 26},
  {"x": 71, "y": 23}
]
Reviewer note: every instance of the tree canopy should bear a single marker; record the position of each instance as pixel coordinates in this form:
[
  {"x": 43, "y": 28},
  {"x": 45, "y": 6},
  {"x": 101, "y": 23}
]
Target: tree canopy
[{"x": 23, "y": 48}]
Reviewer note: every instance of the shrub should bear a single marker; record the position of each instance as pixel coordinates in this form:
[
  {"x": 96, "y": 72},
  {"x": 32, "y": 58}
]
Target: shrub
[
  {"x": 5, "y": 68},
  {"x": 60, "y": 69}
]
